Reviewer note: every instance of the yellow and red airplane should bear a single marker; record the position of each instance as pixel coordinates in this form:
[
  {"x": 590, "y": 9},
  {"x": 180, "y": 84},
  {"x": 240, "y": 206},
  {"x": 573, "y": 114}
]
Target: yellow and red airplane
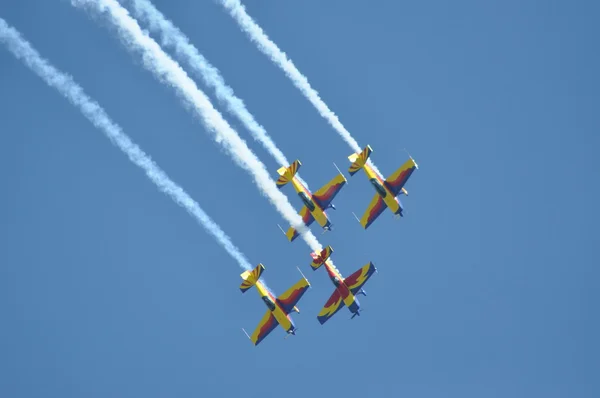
[
  {"x": 278, "y": 309},
  {"x": 314, "y": 204},
  {"x": 346, "y": 289},
  {"x": 386, "y": 190}
]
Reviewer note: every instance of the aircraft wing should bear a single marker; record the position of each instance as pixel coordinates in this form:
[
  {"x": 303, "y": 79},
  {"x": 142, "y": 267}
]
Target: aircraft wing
[
  {"x": 266, "y": 326},
  {"x": 307, "y": 218},
  {"x": 356, "y": 281},
  {"x": 333, "y": 305},
  {"x": 376, "y": 207},
  {"x": 290, "y": 297},
  {"x": 395, "y": 182},
  {"x": 327, "y": 192}
]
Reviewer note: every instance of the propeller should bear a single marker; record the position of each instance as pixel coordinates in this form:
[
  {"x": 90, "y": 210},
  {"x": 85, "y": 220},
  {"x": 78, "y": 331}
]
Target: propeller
[
  {"x": 293, "y": 332},
  {"x": 357, "y": 313}
]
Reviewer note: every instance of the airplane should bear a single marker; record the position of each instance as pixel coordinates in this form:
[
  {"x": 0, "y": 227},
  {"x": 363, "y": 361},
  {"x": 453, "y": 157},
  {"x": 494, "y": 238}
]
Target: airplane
[
  {"x": 386, "y": 191},
  {"x": 346, "y": 289},
  {"x": 278, "y": 309},
  {"x": 314, "y": 204}
]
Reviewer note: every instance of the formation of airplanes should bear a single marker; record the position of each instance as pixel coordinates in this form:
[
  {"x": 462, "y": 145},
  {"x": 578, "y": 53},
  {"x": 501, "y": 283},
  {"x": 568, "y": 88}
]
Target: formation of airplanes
[{"x": 314, "y": 208}]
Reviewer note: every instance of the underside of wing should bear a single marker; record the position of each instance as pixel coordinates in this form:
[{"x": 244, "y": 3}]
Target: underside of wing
[
  {"x": 376, "y": 207},
  {"x": 327, "y": 192},
  {"x": 357, "y": 280},
  {"x": 395, "y": 182},
  {"x": 307, "y": 218},
  {"x": 333, "y": 305},
  {"x": 290, "y": 297},
  {"x": 266, "y": 326}
]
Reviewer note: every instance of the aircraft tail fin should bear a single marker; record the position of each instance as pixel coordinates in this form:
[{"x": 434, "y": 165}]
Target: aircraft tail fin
[
  {"x": 251, "y": 277},
  {"x": 320, "y": 258},
  {"x": 286, "y": 174},
  {"x": 359, "y": 160}
]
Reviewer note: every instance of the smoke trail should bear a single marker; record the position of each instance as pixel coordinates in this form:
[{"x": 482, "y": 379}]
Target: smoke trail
[
  {"x": 270, "y": 49},
  {"x": 67, "y": 87},
  {"x": 171, "y": 36},
  {"x": 168, "y": 71}
]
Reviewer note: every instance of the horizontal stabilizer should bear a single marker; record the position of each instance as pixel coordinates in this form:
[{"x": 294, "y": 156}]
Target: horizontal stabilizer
[
  {"x": 359, "y": 160},
  {"x": 320, "y": 258},
  {"x": 251, "y": 277},
  {"x": 286, "y": 174}
]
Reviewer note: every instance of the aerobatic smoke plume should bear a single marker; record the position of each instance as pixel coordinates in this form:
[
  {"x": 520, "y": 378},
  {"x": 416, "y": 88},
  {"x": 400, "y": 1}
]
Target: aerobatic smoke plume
[
  {"x": 169, "y": 72},
  {"x": 171, "y": 37},
  {"x": 69, "y": 89},
  {"x": 255, "y": 33}
]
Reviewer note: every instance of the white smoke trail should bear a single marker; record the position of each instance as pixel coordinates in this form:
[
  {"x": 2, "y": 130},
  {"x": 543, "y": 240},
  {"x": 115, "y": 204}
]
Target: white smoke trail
[
  {"x": 172, "y": 37},
  {"x": 168, "y": 71},
  {"x": 68, "y": 88},
  {"x": 269, "y": 48}
]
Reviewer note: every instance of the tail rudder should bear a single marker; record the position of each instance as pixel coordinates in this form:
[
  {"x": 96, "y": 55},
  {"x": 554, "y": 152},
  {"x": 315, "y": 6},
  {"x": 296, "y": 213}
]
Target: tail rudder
[
  {"x": 320, "y": 258},
  {"x": 251, "y": 277},
  {"x": 359, "y": 160},
  {"x": 286, "y": 174}
]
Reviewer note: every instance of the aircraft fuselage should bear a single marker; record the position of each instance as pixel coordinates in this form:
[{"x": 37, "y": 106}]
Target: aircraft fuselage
[
  {"x": 284, "y": 320},
  {"x": 348, "y": 297},
  {"x": 318, "y": 214},
  {"x": 388, "y": 197},
  {"x": 307, "y": 201}
]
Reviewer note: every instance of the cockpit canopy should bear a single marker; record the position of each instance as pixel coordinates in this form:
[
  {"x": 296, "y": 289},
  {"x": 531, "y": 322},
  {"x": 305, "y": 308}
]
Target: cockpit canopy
[
  {"x": 378, "y": 187},
  {"x": 336, "y": 281},
  {"x": 270, "y": 304},
  {"x": 307, "y": 201}
]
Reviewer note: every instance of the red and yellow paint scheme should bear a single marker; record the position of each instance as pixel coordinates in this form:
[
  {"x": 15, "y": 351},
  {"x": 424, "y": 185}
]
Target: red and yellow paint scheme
[
  {"x": 386, "y": 190},
  {"x": 278, "y": 309},
  {"x": 346, "y": 289},
  {"x": 314, "y": 204}
]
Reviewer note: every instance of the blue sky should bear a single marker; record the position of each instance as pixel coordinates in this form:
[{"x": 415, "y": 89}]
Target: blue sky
[{"x": 485, "y": 287}]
